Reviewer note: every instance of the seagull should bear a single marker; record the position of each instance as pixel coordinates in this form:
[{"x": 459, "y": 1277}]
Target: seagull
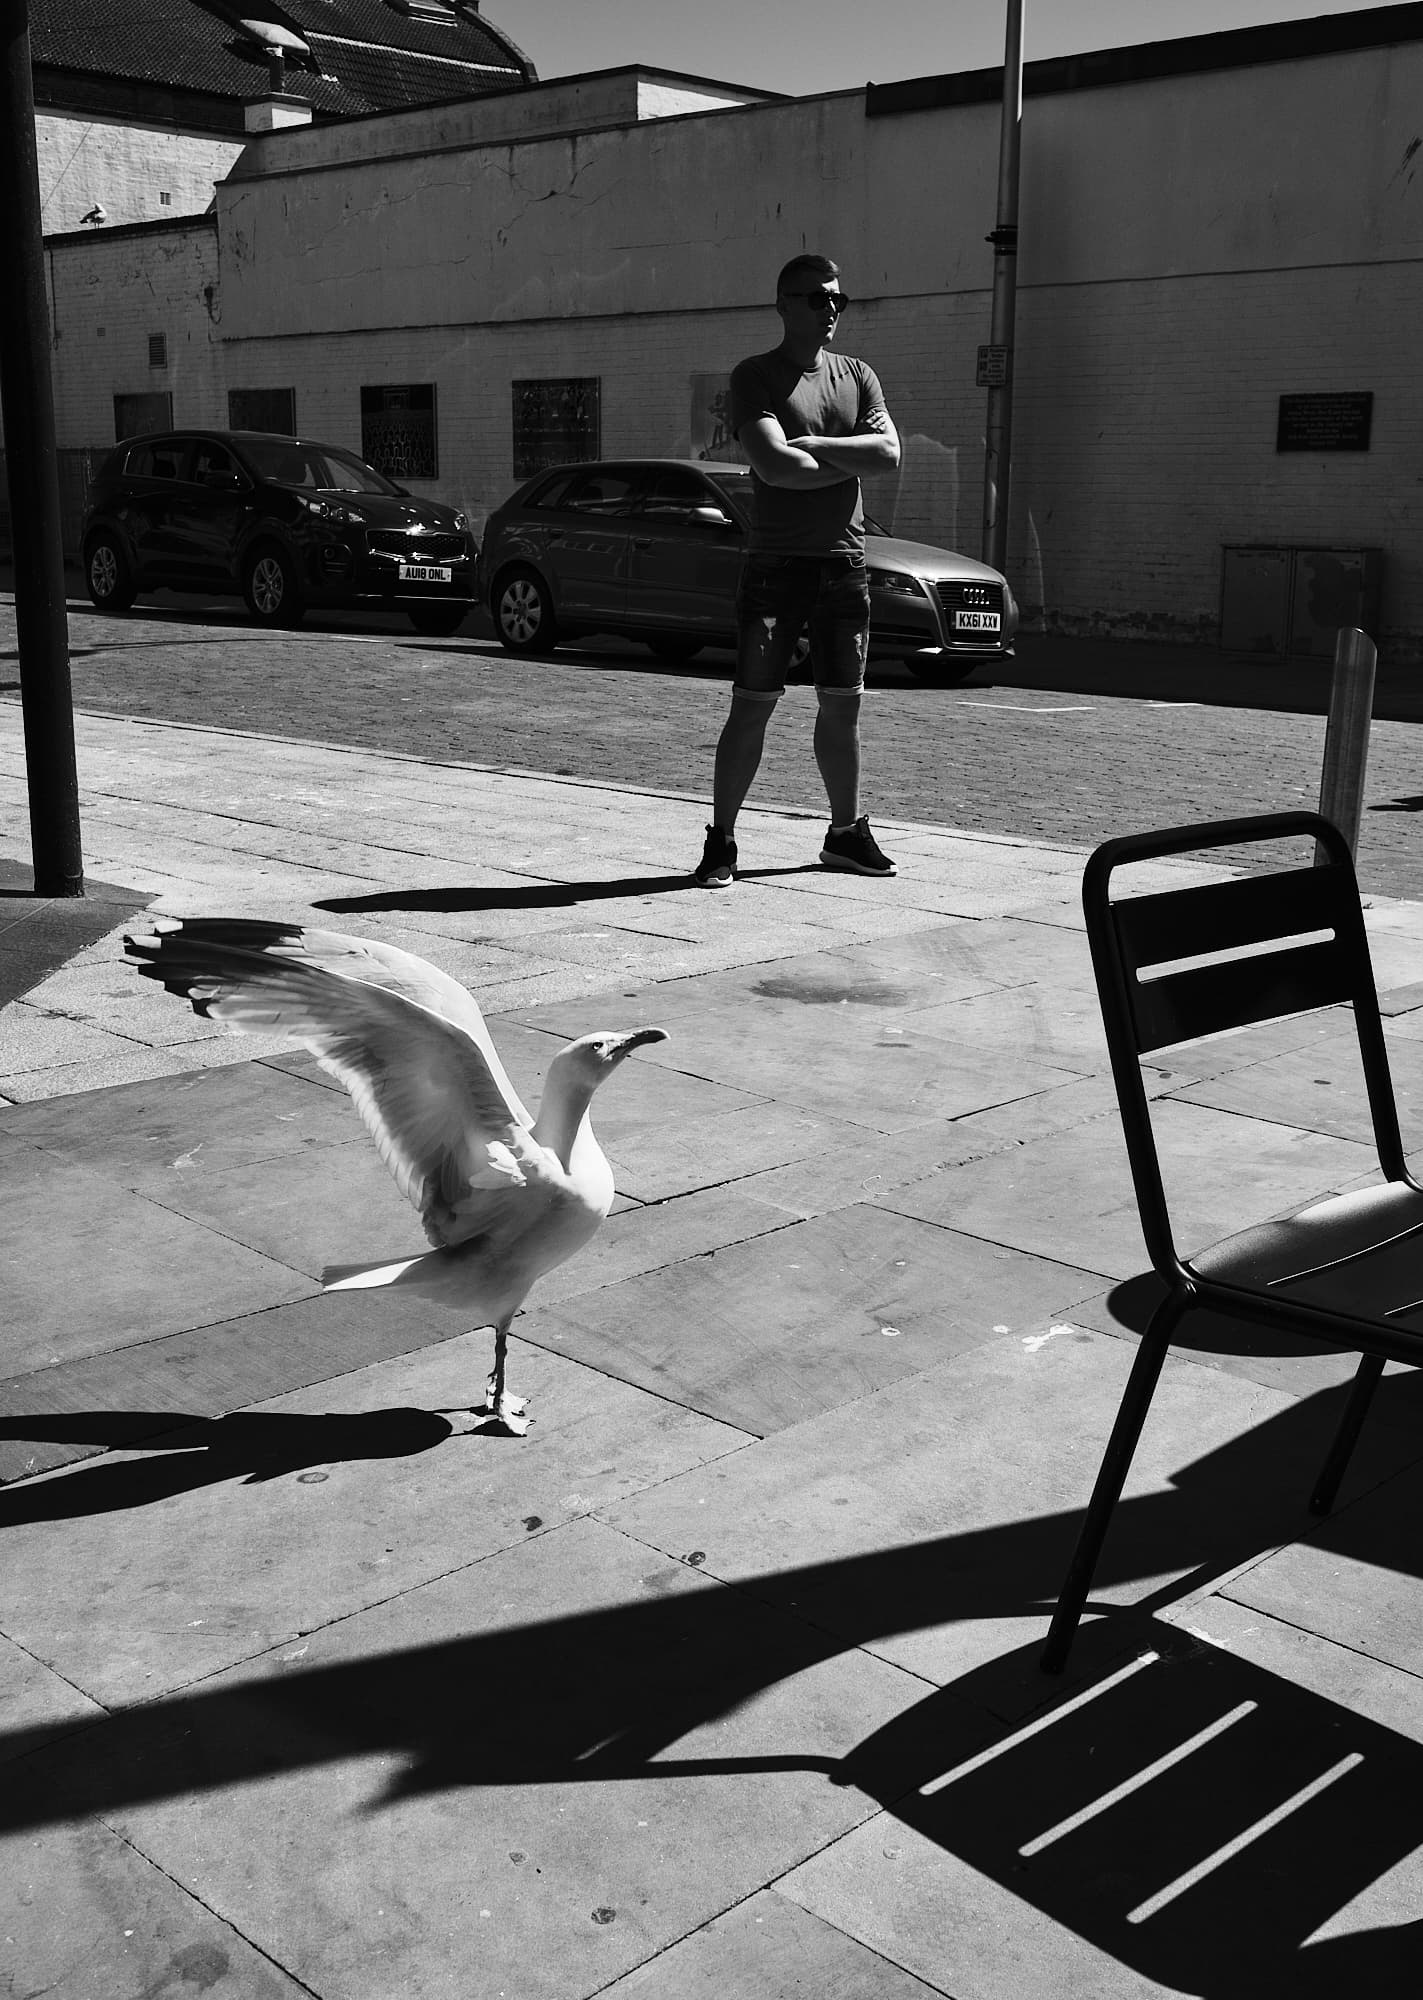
[{"x": 503, "y": 1196}]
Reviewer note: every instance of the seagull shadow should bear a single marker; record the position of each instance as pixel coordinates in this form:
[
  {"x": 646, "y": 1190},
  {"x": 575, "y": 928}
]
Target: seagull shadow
[
  {"x": 188, "y": 1453},
  {"x": 540, "y": 895}
]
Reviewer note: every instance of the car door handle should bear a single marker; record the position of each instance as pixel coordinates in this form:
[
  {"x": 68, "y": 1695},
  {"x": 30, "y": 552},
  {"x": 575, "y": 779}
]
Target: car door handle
[{"x": 642, "y": 541}]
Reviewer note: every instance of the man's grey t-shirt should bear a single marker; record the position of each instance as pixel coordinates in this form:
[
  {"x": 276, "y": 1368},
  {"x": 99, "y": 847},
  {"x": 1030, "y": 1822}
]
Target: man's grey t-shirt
[{"x": 833, "y": 399}]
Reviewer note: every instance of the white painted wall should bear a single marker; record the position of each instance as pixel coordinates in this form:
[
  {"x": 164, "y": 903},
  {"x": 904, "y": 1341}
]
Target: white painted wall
[
  {"x": 127, "y": 169},
  {"x": 109, "y": 291},
  {"x": 1192, "y": 248}
]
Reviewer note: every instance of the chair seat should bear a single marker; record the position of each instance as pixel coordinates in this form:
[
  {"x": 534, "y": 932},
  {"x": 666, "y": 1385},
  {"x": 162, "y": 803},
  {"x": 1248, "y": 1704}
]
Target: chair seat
[{"x": 1359, "y": 1253}]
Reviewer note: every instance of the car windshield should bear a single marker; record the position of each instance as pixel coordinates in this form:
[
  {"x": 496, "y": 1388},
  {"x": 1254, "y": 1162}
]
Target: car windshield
[{"x": 321, "y": 467}]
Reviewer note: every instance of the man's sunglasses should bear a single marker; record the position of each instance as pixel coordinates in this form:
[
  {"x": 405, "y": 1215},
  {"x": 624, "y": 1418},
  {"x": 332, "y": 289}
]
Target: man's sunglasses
[{"x": 837, "y": 301}]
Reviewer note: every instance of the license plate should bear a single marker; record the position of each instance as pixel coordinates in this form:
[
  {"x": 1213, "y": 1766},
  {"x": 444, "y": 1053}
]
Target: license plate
[
  {"x": 425, "y": 573},
  {"x": 976, "y": 621}
]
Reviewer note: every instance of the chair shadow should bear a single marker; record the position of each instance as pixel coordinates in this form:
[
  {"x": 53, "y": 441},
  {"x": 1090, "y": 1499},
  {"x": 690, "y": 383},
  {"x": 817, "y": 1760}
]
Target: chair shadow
[
  {"x": 192, "y": 1452},
  {"x": 539, "y": 895},
  {"x": 1190, "y": 1813},
  {"x": 1203, "y": 1331},
  {"x": 1194, "y": 1815}
]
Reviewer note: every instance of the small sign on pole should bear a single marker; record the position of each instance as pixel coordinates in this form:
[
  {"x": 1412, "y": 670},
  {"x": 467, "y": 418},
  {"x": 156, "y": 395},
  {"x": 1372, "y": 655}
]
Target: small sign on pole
[{"x": 993, "y": 367}]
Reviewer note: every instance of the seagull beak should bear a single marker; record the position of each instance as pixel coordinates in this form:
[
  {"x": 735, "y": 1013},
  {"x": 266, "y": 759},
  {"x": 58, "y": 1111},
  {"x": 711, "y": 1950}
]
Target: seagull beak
[{"x": 636, "y": 1038}]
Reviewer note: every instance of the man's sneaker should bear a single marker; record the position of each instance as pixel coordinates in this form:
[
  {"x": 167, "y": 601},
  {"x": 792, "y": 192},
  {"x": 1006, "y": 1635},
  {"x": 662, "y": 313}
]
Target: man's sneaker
[
  {"x": 717, "y": 867},
  {"x": 856, "y": 851}
]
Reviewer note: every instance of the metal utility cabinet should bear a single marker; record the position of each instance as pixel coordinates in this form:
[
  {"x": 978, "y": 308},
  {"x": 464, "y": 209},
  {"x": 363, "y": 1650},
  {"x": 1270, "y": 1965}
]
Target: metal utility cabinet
[{"x": 1289, "y": 602}]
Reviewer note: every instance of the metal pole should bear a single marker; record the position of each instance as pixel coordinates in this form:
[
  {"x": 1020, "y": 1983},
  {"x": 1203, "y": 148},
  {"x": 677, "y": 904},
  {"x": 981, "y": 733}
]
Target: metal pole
[
  {"x": 32, "y": 465},
  {"x": 1346, "y": 735},
  {"x": 997, "y": 459}
]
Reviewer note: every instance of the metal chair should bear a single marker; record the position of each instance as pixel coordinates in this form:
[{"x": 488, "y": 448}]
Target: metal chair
[{"x": 1346, "y": 1270}]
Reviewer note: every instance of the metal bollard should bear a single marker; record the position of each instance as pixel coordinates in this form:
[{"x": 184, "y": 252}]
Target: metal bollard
[{"x": 1346, "y": 735}]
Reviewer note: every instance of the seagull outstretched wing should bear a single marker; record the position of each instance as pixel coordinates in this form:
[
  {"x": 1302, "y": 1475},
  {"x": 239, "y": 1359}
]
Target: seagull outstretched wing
[{"x": 406, "y": 1040}]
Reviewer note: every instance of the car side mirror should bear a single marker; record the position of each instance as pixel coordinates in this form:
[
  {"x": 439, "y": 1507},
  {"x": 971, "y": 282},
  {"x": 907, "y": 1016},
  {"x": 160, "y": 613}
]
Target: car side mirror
[
  {"x": 225, "y": 482},
  {"x": 715, "y": 517}
]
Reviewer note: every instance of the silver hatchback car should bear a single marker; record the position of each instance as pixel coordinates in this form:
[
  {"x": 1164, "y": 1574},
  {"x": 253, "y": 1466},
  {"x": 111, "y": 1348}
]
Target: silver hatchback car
[{"x": 651, "y": 548}]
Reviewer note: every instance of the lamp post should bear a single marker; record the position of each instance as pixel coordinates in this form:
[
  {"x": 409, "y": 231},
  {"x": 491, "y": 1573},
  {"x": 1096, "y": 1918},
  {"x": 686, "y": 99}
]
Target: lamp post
[
  {"x": 995, "y": 362},
  {"x": 32, "y": 466}
]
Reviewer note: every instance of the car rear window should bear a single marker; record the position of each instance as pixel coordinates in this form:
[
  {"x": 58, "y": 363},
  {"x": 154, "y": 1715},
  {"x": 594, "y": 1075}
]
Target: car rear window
[
  {"x": 600, "y": 492},
  {"x": 735, "y": 486},
  {"x": 156, "y": 461},
  {"x": 676, "y": 494}
]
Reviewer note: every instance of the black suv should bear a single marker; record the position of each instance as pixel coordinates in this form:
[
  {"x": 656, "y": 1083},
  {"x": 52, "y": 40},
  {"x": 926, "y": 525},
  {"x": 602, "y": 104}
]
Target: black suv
[{"x": 286, "y": 522}]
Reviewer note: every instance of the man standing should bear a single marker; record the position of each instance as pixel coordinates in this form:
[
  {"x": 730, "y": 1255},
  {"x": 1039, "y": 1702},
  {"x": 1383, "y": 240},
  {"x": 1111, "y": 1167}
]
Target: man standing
[{"x": 810, "y": 422}]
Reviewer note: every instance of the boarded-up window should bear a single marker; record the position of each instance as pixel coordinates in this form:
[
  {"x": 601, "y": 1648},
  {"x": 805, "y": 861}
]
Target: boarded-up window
[
  {"x": 398, "y": 430},
  {"x": 150, "y": 410},
  {"x": 555, "y": 419},
  {"x": 262, "y": 410}
]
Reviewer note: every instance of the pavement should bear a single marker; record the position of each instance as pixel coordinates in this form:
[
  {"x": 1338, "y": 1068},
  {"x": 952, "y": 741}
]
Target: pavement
[{"x": 722, "y": 1681}]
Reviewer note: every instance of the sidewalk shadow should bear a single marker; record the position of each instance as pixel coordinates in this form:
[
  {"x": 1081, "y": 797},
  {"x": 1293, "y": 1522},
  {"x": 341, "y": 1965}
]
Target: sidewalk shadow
[
  {"x": 1194, "y": 1815},
  {"x": 540, "y": 895},
  {"x": 188, "y": 1453}
]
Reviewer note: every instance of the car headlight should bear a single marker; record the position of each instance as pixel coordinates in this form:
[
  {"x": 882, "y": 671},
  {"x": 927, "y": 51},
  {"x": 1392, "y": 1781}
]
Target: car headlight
[
  {"x": 461, "y": 524},
  {"x": 896, "y": 579},
  {"x": 328, "y": 510}
]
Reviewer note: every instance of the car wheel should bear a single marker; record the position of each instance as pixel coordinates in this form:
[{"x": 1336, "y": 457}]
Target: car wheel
[
  {"x": 272, "y": 587},
  {"x": 674, "y": 650},
  {"x": 436, "y": 621},
  {"x": 107, "y": 576},
  {"x": 523, "y": 613}
]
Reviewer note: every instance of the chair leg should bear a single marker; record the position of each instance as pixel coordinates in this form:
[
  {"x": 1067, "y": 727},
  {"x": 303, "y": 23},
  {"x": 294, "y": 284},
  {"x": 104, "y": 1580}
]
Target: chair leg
[
  {"x": 1111, "y": 1477},
  {"x": 1366, "y": 1380}
]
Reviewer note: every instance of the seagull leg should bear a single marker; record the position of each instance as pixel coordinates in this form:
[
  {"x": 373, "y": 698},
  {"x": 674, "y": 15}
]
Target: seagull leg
[{"x": 505, "y": 1412}]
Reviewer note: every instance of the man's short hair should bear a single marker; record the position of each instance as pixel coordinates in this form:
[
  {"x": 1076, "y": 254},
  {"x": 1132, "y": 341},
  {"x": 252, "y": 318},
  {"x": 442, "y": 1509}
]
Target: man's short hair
[{"x": 807, "y": 265}]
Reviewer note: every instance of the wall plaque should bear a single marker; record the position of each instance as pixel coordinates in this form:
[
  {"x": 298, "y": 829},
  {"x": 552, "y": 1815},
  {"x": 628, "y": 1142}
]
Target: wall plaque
[{"x": 1337, "y": 422}]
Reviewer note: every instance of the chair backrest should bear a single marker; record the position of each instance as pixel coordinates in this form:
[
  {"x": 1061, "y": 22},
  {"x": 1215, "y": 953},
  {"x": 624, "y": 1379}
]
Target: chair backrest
[{"x": 1180, "y": 963}]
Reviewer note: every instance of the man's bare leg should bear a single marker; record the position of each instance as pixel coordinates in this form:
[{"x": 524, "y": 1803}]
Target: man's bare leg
[
  {"x": 738, "y": 754},
  {"x": 837, "y": 751}
]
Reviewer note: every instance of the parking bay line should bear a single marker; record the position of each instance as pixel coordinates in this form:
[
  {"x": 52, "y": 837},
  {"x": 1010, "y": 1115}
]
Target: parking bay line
[{"x": 1030, "y": 708}]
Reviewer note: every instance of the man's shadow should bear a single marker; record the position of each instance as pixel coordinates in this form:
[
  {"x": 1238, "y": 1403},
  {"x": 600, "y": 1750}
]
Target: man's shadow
[{"x": 540, "y": 895}]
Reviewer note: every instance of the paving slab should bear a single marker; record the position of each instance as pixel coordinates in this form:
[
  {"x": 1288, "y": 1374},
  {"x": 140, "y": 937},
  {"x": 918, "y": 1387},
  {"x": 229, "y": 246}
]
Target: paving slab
[
  {"x": 423, "y": 1798},
  {"x": 1069, "y": 1194},
  {"x": 1355, "y": 1579},
  {"x": 726, "y": 1675},
  {"x": 1190, "y": 1823},
  {"x": 770, "y": 1948},
  {"x": 142, "y": 1571},
  {"x": 1040, "y": 1020},
  {"x": 773, "y": 1330},
  {"x": 131, "y": 1392},
  {"x": 85, "y": 1917},
  {"x": 151, "y": 1137},
  {"x": 1320, "y": 1087},
  {"x": 86, "y": 1266},
  {"x": 641, "y": 1238},
  {"x": 932, "y": 1522},
  {"x": 36, "y": 1704}
]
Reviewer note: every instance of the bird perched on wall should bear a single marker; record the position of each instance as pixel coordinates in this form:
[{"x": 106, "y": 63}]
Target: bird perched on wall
[{"x": 504, "y": 1197}]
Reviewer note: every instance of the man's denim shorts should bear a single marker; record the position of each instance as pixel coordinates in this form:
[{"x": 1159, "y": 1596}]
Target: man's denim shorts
[{"x": 779, "y": 597}]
